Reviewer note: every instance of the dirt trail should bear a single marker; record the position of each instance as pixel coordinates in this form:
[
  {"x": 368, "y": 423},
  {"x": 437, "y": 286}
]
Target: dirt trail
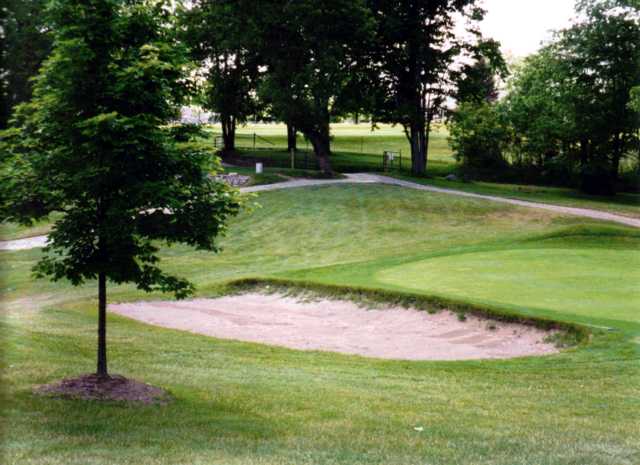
[
  {"x": 366, "y": 178},
  {"x": 343, "y": 326}
]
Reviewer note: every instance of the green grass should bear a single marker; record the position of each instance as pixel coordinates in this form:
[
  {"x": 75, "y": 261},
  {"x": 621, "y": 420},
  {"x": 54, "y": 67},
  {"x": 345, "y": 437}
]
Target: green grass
[
  {"x": 626, "y": 204},
  {"x": 548, "y": 278},
  {"x": 10, "y": 231},
  {"x": 348, "y": 138},
  {"x": 240, "y": 403},
  {"x": 271, "y": 175},
  {"x": 354, "y": 147},
  {"x": 589, "y": 276},
  {"x": 358, "y": 149}
]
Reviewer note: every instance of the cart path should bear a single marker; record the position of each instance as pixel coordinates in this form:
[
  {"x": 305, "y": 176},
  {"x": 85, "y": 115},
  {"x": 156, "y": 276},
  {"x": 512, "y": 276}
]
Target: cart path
[{"x": 366, "y": 178}]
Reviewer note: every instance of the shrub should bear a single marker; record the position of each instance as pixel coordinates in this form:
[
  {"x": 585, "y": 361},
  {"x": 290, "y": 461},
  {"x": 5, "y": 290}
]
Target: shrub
[{"x": 479, "y": 137}]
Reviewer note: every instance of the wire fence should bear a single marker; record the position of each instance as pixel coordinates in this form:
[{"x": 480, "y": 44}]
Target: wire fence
[
  {"x": 348, "y": 154},
  {"x": 254, "y": 141}
]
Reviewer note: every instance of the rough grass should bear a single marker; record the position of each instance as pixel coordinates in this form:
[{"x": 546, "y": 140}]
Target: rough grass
[
  {"x": 9, "y": 231},
  {"x": 240, "y": 403},
  {"x": 627, "y": 204}
]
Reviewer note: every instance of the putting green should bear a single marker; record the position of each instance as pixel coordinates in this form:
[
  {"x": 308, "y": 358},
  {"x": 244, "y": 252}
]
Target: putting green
[{"x": 582, "y": 281}]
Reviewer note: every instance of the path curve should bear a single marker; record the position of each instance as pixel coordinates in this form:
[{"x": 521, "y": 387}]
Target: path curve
[{"x": 367, "y": 178}]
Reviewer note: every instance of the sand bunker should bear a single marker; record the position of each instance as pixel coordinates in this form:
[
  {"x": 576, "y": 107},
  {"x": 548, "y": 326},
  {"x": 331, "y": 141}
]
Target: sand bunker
[{"x": 342, "y": 326}]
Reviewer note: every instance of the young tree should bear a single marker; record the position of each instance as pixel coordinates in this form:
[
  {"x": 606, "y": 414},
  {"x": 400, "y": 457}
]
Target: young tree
[
  {"x": 476, "y": 80},
  {"x": 479, "y": 138},
  {"x": 314, "y": 54},
  {"x": 416, "y": 45},
  {"x": 93, "y": 143},
  {"x": 24, "y": 44},
  {"x": 537, "y": 106},
  {"x": 221, "y": 37}
]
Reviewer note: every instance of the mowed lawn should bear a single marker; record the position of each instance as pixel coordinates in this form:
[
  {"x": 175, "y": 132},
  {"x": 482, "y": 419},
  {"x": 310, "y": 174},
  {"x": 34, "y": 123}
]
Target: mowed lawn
[
  {"x": 346, "y": 137},
  {"x": 355, "y": 147},
  {"x": 240, "y": 403}
]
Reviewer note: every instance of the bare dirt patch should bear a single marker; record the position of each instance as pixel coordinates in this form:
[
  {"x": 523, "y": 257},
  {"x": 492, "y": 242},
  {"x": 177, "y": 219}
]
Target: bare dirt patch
[
  {"x": 112, "y": 388},
  {"x": 345, "y": 327}
]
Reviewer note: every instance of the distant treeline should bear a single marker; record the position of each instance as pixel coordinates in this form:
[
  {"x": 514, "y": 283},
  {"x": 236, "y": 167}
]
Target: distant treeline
[{"x": 570, "y": 114}]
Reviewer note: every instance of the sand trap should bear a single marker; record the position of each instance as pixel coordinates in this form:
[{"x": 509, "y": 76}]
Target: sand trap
[{"x": 341, "y": 326}]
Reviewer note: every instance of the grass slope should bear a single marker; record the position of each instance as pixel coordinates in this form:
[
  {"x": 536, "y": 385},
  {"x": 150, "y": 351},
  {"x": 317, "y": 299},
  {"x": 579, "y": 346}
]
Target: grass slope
[
  {"x": 626, "y": 204},
  {"x": 581, "y": 275},
  {"x": 239, "y": 403}
]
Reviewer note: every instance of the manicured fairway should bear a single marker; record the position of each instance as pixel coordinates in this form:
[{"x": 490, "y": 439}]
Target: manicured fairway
[
  {"x": 240, "y": 403},
  {"x": 354, "y": 147},
  {"x": 346, "y": 137},
  {"x": 589, "y": 281}
]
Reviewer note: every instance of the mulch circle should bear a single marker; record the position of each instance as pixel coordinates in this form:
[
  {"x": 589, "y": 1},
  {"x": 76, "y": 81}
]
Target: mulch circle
[{"x": 110, "y": 388}]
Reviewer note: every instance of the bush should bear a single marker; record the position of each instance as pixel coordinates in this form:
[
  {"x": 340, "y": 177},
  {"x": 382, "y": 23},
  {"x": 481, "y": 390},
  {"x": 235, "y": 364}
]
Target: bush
[{"x": 479, "y": 137}]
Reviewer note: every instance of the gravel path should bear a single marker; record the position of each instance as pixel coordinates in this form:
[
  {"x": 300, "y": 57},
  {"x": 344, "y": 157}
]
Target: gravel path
[
  {"x": 365, "y": 178},
  {"x": 24, "y": 244}
]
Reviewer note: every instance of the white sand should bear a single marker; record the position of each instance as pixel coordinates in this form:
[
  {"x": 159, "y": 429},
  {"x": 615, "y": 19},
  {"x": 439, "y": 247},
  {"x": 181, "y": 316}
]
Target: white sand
[{"x": 342, "y": 326}]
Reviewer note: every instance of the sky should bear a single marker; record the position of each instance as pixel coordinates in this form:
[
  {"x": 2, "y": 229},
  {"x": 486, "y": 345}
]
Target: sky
[{"x": 520, "y": 25}]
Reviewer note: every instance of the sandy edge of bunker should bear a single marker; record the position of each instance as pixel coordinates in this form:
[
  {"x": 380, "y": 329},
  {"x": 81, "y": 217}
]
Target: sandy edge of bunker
[{"x": 345, "y": 327}]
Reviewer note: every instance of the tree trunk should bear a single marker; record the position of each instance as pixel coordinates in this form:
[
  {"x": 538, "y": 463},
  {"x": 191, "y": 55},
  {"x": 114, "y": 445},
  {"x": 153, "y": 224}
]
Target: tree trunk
[
  {"x": 427, "y": 133},
  {"x": 292, "y": 142},
  {"x": 415, "y": 95},
  {"x": 102, "y": 325},
  {"x": 418, "y": 148},
  {"x": 584, "y": 153},
  {"x": 617, "y": 156},
  {"x": 228, "y": 132},
  {"x": 322, "y": 148}
]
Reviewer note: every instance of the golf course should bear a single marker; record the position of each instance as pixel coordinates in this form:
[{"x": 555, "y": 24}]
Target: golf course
[
  {"x": 238, "y": 402},
  {"x": 320, "y": 232}
]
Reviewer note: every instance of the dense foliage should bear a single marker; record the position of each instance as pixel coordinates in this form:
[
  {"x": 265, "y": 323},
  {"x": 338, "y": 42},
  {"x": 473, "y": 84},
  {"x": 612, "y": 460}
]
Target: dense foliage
[
  {"x": 94, "y": 143},
  {"x": 570, "y": 106},
  {"x": 416, "y": 45},
  {"x": 480, "y": 138},
  {"x": 222, "y": 38},
  {"x": 24, "y": 43},
  {"x": 315, "y": 57}
]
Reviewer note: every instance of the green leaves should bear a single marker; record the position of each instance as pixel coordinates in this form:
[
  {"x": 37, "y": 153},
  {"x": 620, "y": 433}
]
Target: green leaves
[
  {"x": 94, "y": 142},
  {"x": 479, "y": 137},
  {"x": 571, "y": 104},
  {"x": 25, "y": 44},
  {"x": 634, "y": 99}
]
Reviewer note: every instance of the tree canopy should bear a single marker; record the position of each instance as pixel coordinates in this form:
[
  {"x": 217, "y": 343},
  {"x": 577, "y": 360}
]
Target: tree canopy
[
  {"x": 416, "y": 44},
  {"x": 570, "y": 107},
  {"x": 93, "y": 143},
  {"x": 222, "y": 39},
  {"x": 25, "y": 43},
  {"x": 314, "y": 55}
]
